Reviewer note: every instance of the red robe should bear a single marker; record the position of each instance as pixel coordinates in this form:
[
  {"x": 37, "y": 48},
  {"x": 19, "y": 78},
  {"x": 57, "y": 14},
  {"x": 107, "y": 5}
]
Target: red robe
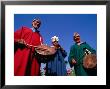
[{"x": 25, "y": 63}]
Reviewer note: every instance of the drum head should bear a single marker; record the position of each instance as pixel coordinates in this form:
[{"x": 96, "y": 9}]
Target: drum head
[
  {"x": 90, "y": 61},
  {"x": 44, "y": 53},
  {"x": 45, "y": 50}
]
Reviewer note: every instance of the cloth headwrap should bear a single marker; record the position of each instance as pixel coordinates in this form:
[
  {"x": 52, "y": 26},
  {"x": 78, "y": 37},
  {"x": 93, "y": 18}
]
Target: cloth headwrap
[
  {"x": 76, "y": 34},
  {"x": 54, "y": 38},
  {"x": 36, "y": 20}
]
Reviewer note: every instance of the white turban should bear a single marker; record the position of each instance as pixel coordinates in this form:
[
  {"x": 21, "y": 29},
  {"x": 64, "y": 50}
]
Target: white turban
[
  {"x": 76, "y": 34},
  {"x": 54, "y": 38}
]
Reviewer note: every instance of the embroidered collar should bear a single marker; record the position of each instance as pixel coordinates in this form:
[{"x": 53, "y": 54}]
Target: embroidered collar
[{"x": 80, "y": 43}]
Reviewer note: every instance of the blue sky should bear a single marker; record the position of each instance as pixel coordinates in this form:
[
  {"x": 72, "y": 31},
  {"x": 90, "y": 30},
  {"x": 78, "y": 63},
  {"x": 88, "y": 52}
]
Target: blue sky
[{"x": 63, "y": 26}]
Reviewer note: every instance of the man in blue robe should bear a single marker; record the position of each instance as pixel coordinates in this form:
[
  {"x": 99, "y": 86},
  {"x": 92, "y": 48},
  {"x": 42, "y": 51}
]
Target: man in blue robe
[{"x": 56, "y": 66}]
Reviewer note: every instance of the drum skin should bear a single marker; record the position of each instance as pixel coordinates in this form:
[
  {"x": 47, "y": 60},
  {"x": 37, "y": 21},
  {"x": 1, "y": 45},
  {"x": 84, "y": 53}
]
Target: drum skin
[
  {"x": 90, "y": 61},
  {"x": 44, "y": 53},
  {"x": 45, "y": 50}
]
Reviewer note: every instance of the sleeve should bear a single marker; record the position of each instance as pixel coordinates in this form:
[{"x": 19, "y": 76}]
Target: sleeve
[
  {"x": 71, "y": 54},
  {"x": 64, "y": 53},
  {"x": 18, "y": 34},
  {"x": 93, "y": 51}
]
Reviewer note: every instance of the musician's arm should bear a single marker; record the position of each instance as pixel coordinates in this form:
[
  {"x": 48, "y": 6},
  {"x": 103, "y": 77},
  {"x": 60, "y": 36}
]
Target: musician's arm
[
  {"x": 18, "y": 42},
  {"x": 18, "y": 34},
  {"x": 64, "y": 53},
  {"x": 71, "y": 56}
]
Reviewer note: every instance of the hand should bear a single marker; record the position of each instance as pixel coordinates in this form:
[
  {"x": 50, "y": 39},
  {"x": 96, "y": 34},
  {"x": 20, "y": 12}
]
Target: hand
[
  {"x": 73, "y": 61},
  {"x": 21, "y": 41},
  {"x": 69, "y": 72},
  {"x": 59, "y": 46}
]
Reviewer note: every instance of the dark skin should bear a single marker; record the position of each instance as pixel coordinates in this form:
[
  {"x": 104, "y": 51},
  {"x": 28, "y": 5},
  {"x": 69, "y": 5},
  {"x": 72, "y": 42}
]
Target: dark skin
[
  {"x": 77, "y": 39},
  {"x": 36, "y": 24}
]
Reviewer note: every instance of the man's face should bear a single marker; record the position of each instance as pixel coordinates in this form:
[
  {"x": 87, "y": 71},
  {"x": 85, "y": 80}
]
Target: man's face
[
  {"x": 36, "y": 24},
  {"x": 77, "y": 39},
  {"x": 55, "y": 43}
]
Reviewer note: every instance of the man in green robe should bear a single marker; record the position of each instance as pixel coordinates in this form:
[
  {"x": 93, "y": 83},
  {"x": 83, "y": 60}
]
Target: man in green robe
[{"x": 76, "y": 55}]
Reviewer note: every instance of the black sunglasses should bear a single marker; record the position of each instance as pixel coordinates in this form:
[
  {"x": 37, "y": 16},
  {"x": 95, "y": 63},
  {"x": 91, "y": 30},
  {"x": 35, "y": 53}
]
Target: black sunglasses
[{"x": 76, "y": 36}]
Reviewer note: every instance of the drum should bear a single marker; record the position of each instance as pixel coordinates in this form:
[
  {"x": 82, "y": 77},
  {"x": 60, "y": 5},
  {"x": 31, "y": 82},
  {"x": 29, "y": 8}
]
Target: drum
[
  {"x": 45, "y": 50},
  {"x": 45, "y": 53},
  {"x": 90, "y": 61}
]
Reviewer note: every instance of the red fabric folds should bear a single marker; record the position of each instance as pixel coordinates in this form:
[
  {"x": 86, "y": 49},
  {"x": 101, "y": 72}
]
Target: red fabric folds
[{"x": 25, "y": 62}]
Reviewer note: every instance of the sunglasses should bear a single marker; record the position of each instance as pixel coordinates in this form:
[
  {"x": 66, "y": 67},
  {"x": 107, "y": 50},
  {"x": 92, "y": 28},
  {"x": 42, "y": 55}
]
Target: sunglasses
[{"x": 76, "y": 36}]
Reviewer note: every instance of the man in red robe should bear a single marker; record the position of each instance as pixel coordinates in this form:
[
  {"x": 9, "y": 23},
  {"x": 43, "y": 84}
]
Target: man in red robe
[{"x": 25, "y": 41}]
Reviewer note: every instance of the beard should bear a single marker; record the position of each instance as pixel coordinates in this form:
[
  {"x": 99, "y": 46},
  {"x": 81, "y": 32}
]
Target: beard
[
  {"x": 36, "y": 26},
  {"x": 77, "y": 40}
]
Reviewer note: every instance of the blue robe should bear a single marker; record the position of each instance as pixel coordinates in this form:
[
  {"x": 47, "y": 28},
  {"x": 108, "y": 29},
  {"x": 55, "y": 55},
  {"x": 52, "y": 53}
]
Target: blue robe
[{"x": 57, "y": 66}]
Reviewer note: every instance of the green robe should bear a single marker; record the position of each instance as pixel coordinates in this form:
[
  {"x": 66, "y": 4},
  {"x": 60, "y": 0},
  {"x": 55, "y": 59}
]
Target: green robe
[{"x": 77, "y": 52}]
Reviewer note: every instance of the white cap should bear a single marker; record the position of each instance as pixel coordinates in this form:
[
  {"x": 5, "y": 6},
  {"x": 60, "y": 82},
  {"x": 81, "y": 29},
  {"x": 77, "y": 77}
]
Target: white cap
[{"x": 54, "y": 38}]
